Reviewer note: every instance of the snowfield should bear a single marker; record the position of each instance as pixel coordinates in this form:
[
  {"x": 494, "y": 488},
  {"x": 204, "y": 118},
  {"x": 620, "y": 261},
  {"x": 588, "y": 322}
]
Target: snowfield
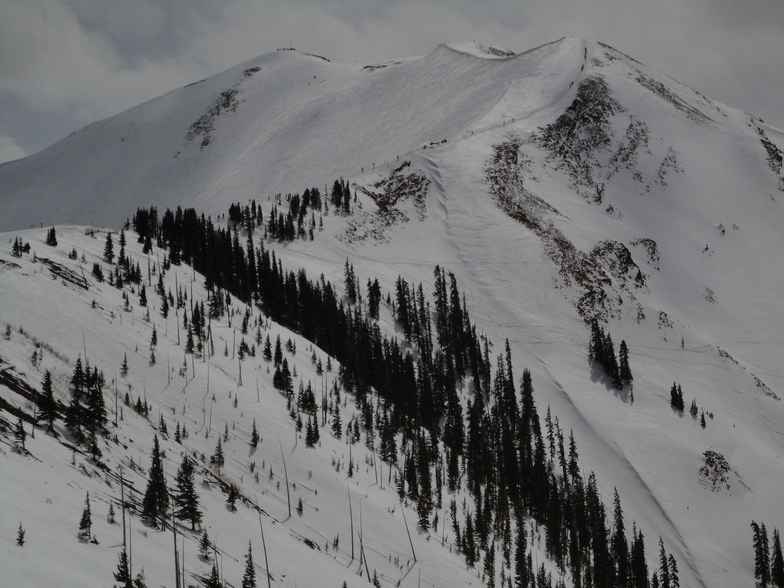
[{"x": 541, "y": 170}]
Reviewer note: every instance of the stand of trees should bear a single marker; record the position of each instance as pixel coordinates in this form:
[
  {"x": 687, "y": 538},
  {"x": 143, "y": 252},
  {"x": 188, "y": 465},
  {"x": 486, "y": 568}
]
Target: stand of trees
[{"x": 515, "y": 469}]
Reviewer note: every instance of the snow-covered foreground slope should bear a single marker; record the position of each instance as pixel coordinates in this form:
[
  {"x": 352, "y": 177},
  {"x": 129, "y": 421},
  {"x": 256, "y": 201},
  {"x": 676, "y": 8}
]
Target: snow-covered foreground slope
[
  {"x": 540, "y": 181},
  {"x": 45, "y": 489}
]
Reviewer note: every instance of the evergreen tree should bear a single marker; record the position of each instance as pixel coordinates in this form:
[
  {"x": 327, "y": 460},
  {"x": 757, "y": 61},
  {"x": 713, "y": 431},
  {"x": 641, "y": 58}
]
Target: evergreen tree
[
  {"x": 761, "y": 554},
  {"x": 155, "y": 504},
  {"x": 249, "y": 578},
  {"x": 522, "y": 570},
  {"x": 674, "y": 579},
  {"x": 123, "y": 573},
  {"x": 639, "y": 567},
  {"x": 777, "y": 562},
  {"x": 676, "y": 398},
  {"x": 20, "y": 535},
  {"x": 254, "y": 435},
  {"x": 664, "y": 566},
  {"x": 231, "y": 499},
  {"x": 86, "y": 522},
  {"x": 217, "y": 458},
  {"x": 124, "y": 366},
  {"x": 108, "y": 249},
  {"x": 47, "y": 407},
  {"x": 51, "y": 237},
  {"x": 121, "y": 256},
  {"x": 620, "y": 549},
  {"x": 624, "y": 371},
  {"x": 214, "y": 580},
  {"x": 19, "y": 436},
  {"x": 489, "y": 567},
  {"x": 337, "y": 424},
  {"x": 185, "y": 498},
  {"x": 205, "y": 546},
  {"x": 374, "y": 298}
]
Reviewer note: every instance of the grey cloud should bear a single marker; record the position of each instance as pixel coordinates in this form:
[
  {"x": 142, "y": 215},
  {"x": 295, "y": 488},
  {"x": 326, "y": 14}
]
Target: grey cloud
[{"x": 82, "y": 60}]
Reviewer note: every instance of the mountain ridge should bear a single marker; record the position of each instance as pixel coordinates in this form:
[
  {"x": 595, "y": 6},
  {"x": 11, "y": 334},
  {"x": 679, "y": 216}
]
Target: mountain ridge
[{"x": 547, "y": 191}]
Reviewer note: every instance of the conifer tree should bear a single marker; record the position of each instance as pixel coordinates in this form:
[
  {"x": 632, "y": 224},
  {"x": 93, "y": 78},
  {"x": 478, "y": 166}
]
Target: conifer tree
[
  {"x": 185, "y": 498},
  {"x": 108, "y": 249},
  {"x": 761, "y": 554},
  {"x": 254, "y": 435},
  {"x": 121, "y": 256},
  {"x": 249, "y": 578},
  {"x": 214, "y": 580},
  {"x": 624, "y": 371},
  {"x": 47, "y": 407},
  {"x": 20, "y": 535},
  {"x": 674, "y": 579},
  {"x": 86, "y": 522},
  {"x": 217, "y": 458},
  {"x": 155, "y": 504},
  {"x": 337, "y": 423},
  {"x": 124, "y": 366},
  {"x": 489, "y": 567},
  {"x": 620, "y": 548},
  {"x": 664, "y": 566},
  {"x": 19, "y": 436},
  {"x": 639, "y": 567},
  {"x": 51, "y": 237},
  {"x": 123, "y": 573},
  {"x": 205, "y": 546},
  {"x": 777, "y": 562},
  {"x": 231, "y": 499}
]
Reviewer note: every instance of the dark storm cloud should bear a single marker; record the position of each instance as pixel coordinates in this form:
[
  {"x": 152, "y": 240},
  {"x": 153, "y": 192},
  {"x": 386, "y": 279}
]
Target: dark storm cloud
[{"x": 66, "y": 63}]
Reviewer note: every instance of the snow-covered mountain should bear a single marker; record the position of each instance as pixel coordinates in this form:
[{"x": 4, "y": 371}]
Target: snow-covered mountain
[{"x": 559, "y": 185}]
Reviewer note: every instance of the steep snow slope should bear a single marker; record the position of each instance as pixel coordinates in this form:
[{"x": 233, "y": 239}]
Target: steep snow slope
[
  {"x": 45, "y": 489},
  {"x": 636, "y": 160}
]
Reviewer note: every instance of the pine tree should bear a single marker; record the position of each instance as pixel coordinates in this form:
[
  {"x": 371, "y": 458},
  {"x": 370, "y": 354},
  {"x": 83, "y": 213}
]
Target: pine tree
[
  {"x": 51, "y": 237},
  {"x": 639, "y": 567},
  {"x": 489, "y": 567},
  {"x": 231, "y": 499},
  {"x": 123, "y": 573},
  {"x": 20, "y": 536},
  {"x": 19, "y": 436},
  {"x": 185, "y": 498},
  {"x": 674, "y": 579},
  {"x": 108, "y": 249},
  {"x": 664, "y": 566},
  {"x": 214, "y": 580},
  {"x": 249, "y": 578},
  {"x": 124, "y": 366},
  {"x": 620, "y": 548},
  {"x": 676, "y": 397},
  {"x": 337, "y": 424},
  {"x": 86, "y": 522},
  {"x": 155, "y": 504},
  {"x": 254, "y": 435},
  {"x": 205, "y": 546},
  {"x": 217, "y": 458},
  {"x": 121, "y": 256},
  {"x": 777, "y": 563},
  {"x": 624, "y": 371},
  {"x": 47, "y": 407},
  {"x": 522, "y": 571}
]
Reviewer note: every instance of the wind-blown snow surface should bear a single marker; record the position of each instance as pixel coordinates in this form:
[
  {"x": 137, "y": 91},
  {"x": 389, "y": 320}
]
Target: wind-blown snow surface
[{"x": 699, "y": 183}]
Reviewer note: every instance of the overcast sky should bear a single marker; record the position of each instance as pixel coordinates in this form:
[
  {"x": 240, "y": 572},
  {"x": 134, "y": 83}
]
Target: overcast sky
[{"x": 67, "y": 63}]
